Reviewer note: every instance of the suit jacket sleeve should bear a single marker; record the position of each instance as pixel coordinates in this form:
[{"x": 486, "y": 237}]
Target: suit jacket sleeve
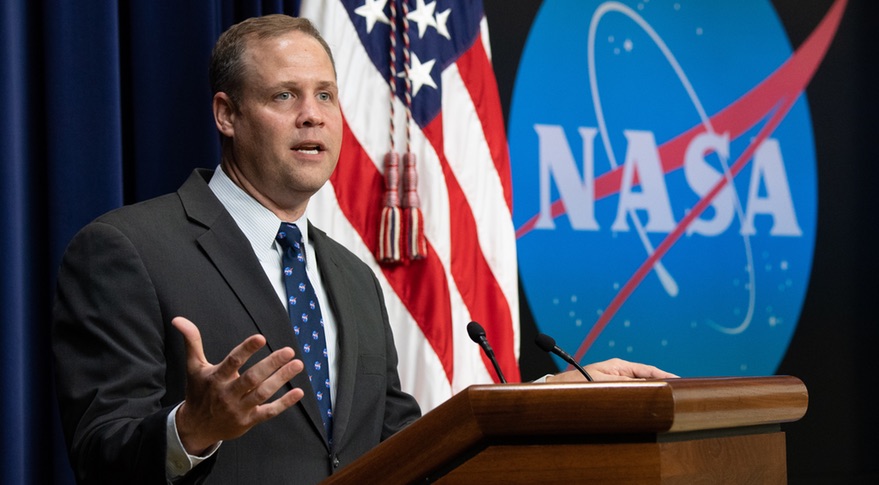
[{"x": 108, "y": 342}]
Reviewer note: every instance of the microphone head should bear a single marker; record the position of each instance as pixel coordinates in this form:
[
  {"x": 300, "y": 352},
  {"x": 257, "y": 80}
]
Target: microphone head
[
  {"x": 545, "y": 342},
  {"x": 476, "y": 332}
]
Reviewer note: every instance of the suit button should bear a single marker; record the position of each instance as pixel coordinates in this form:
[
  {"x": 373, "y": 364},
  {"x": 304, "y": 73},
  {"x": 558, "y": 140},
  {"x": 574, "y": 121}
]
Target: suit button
[{"x": 335, "y": 461}]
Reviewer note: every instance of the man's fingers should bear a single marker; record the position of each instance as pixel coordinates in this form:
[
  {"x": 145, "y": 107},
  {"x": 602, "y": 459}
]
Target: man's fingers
[
  {"x": 652, "y": 372},
  {"x": 264, "y": 381},
  {"x": 230, "y": 365},
  {"x": 618, "y": 369},
  {"x": 238, "y": 356},
  {"x": 192, "y": 337},
  {"x": 270, "y": 410},
  {"x": 267, "y": 368},
  {"x": 643, "y": 371}
]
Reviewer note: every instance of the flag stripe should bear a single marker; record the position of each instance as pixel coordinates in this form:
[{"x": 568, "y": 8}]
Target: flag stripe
[
  {"x": 465, "y": 144},
  {"x": 478, "y": 76}
]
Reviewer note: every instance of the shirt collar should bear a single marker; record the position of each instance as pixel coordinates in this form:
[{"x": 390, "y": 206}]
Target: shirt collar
[{"x": 259, "y": 224}]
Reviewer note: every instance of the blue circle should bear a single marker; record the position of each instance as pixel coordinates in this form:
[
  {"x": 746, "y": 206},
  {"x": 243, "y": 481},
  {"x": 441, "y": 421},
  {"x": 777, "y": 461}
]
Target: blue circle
[{"x": 736, "y": 280}]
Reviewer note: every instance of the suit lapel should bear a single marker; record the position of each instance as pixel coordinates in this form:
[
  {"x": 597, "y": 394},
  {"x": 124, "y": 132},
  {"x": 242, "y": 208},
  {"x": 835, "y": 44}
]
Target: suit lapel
[
  {"x": 345, "y": 312},
  {"x": 230, "y": 252}
]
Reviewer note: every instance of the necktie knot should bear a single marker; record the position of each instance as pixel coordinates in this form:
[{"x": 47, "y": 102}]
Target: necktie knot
[{"x": 289, "y": 236}]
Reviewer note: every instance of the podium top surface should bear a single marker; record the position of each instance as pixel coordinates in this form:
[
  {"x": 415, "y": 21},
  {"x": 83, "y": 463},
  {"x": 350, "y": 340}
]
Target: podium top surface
[{"x": 672, "y": 405}]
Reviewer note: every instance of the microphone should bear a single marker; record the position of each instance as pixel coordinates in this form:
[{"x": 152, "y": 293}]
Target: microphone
[
  {"x": 547, "y": 343},
  {"x": 477, "y": 334}
]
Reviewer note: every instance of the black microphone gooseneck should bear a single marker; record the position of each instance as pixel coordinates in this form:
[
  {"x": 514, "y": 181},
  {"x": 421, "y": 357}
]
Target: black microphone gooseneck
[
  {"x": 547, "y": 343},
  {"x": 477, "y": 334}
]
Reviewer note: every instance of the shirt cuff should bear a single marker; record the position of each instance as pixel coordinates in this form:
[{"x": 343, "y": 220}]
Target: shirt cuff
[{"x": 177, "y": 461}]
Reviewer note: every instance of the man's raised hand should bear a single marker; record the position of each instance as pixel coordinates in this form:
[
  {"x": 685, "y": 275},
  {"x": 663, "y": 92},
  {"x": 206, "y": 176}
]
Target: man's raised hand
[{"x": 223, "y": 404}]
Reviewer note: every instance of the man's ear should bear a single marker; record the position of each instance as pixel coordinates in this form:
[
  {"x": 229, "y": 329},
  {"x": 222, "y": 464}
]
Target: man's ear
[{"x": 224, "y": 114}]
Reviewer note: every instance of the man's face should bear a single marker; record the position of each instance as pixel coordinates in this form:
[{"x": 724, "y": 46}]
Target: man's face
[{"x": 287, "y": 128}]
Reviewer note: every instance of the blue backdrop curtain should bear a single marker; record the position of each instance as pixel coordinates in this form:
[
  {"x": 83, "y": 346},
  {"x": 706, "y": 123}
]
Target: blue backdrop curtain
[{"x": 105, "y": 103}]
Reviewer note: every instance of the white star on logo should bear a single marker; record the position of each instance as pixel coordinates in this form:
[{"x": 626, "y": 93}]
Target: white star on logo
[
  {"x": 373, "y": 11},
  {"x": 423, "y": 16},
  {"x": 420, "y": 74}
]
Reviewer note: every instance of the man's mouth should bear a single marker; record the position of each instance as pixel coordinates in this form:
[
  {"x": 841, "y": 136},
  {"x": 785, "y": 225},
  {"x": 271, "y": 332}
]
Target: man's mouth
[{"x": 308, "y": 148}]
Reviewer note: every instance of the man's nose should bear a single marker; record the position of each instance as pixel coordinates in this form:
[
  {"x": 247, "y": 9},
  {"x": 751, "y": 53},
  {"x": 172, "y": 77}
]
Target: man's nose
[{"x": 309, "y": 113}]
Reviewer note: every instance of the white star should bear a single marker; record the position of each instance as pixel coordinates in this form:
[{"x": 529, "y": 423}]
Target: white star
[
  {"x": 420, "y": 74},
  {"x": 441, "y": 19},
  {"x": 373, "y": 11},
  {"x": 423, "y": 16}
]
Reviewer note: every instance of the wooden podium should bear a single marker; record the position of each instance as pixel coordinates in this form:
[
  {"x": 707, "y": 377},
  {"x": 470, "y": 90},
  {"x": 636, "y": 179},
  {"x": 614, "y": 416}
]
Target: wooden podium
[{"x": 716, "y": 430}]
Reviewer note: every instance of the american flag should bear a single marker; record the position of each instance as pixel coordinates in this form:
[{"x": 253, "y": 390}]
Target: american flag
[{"x": 446, "y": 112}]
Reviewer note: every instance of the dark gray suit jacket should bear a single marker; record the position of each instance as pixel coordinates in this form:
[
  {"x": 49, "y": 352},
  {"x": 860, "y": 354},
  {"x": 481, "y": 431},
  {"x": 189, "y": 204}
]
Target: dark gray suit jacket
[{"x": 121, "y": 365}]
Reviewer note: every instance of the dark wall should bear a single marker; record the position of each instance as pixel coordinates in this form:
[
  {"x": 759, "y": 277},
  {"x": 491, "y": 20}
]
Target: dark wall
[{"x": 831, "y": 349}]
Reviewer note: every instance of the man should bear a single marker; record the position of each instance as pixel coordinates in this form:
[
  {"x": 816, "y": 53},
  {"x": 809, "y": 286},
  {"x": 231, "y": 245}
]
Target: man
[{"x": 175, "y": 354}]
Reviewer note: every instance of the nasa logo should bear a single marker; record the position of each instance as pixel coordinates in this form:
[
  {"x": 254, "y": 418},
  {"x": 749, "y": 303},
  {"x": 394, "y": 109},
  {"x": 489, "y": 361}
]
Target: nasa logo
[{"x": 665, "y": 180}]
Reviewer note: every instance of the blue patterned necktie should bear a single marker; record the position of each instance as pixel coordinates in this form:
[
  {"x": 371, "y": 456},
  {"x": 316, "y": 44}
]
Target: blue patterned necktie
[{"x": 308, "y": 324}]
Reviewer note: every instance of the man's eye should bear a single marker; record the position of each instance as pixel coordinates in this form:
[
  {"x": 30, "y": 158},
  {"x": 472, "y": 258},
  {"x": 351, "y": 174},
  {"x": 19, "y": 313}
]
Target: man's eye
[
  {"x": 283, "y": 96},
  {"x": 324, "y": 96}
]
